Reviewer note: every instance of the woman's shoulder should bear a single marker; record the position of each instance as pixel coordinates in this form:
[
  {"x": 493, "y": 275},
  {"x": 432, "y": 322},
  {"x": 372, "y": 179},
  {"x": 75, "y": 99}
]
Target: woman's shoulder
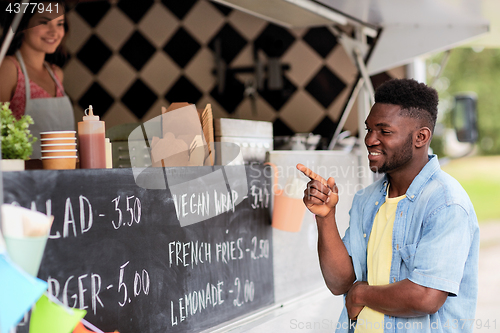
[
  {"x": 9, "y": 66},
  {"x": 58, "y": 72},
  {"x": 8, "y": 73}
]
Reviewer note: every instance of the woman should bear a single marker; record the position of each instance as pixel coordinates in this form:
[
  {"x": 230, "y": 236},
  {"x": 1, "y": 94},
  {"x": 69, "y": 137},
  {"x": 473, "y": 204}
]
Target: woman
[{"x": 31, "y": 81}]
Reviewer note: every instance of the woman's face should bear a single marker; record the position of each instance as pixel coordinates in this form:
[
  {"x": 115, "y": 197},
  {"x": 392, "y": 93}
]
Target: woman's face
[{"x": 46, "y": 29}]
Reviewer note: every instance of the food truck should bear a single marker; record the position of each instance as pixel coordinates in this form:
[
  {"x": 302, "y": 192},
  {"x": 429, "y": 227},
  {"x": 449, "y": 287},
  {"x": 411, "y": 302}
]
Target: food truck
[{"x": 197, "y": 248}]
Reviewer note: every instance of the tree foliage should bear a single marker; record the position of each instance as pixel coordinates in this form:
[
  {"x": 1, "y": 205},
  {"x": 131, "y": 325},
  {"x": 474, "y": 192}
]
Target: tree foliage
[{"x": 477, "y": 71}]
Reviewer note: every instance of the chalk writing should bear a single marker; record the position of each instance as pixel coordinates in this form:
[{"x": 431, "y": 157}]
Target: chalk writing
[
  {"x": 260, "y": 197},
  {"x": 86, "y": 220},
  {"x": 185, "y": 253},
  {"x": 215, "y": 203},
  {"x": 118, "y": 251},
  {"x": 140, "y": 286},
  {"x": 196, "y": 301},
  {"x": 134, "y": 209}
]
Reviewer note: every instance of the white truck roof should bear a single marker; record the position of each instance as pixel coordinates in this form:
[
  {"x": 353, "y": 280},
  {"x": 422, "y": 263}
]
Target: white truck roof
[{"x": 410, "y": 28}]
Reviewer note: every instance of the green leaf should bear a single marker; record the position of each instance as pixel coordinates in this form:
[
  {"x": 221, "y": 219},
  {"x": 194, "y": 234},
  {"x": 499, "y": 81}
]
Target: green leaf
[{"x": 16, "y": 137}]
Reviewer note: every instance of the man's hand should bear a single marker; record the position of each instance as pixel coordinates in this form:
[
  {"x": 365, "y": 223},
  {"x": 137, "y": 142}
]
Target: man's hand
[
  {"x": 320, "y": 196},
  {"x": 354, "y": 308}
]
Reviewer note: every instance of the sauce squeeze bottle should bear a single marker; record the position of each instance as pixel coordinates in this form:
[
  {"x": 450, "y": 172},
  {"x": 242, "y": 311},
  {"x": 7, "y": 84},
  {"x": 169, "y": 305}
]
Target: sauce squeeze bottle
[{"x": 91, "y": 134}]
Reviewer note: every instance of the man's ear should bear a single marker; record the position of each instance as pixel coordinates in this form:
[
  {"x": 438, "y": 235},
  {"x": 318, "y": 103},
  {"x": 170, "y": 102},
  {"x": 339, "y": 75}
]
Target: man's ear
[{"x": 424, "y": 136}]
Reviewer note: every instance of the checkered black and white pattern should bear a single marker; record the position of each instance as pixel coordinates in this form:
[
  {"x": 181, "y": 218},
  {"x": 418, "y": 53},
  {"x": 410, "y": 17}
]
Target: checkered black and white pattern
[{"x": 128, "y": 58}]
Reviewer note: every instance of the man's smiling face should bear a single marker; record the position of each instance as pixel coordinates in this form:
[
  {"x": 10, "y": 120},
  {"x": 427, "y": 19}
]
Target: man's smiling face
[{"x": 389, "y": 138}]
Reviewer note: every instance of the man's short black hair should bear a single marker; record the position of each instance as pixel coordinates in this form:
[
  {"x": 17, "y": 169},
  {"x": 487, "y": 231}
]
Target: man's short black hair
[{"x": 417, "y": 100}]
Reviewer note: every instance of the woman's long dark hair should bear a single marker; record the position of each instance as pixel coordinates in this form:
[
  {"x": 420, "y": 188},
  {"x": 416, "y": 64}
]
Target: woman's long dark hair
[{"x": 58, "y": 58}]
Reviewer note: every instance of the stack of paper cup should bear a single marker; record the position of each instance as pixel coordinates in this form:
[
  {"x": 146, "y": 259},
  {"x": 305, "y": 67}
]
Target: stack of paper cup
[{"x": 58, "y": 149}]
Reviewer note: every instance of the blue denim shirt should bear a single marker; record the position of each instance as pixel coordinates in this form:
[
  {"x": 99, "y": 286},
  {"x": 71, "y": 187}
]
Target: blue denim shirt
[{"x": 435, "y": 244}]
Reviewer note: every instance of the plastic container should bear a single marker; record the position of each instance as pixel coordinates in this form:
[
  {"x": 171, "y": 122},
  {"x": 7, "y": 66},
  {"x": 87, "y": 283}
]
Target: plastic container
[
  {"x": 91, "y": 134},
  {"x": 109, "y": 154}
]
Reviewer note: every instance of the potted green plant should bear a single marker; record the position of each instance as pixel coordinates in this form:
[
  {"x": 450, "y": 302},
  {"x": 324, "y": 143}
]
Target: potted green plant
[{"x": 16, "y": 139}]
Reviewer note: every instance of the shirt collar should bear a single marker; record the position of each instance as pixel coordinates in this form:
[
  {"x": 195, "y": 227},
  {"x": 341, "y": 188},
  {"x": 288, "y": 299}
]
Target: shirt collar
[{"x": 418, "y": 183}]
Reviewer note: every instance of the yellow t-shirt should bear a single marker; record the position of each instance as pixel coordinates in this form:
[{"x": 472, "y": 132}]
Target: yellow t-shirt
[{"x": 379, "y": 260}]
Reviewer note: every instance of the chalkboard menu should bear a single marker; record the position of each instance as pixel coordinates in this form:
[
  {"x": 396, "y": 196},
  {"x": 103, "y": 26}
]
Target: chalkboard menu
[{"x": 119, "y": 251}]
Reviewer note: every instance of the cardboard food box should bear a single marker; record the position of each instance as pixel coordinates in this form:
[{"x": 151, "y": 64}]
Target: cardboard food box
[{"x": 187, "y": 134}]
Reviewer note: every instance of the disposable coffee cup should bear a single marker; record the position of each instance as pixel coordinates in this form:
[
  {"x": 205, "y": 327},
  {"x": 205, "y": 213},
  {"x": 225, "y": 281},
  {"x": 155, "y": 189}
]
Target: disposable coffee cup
[
  {"x": 26, "y": 252},
  {"x": 58, "y": 146},
  {"x": 57, "y": 134},
  {"x": 288, "y": 207},
  {"x": 288, "y": 213},
  {"x": 59, "y": 162},
  {"x": 57, "y": 140},
  {"x": 58, "y": 152}
]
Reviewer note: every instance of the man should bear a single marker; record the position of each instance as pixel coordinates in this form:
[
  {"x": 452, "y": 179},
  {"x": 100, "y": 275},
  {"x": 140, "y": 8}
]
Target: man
[{"x": 409, "y": 259}]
